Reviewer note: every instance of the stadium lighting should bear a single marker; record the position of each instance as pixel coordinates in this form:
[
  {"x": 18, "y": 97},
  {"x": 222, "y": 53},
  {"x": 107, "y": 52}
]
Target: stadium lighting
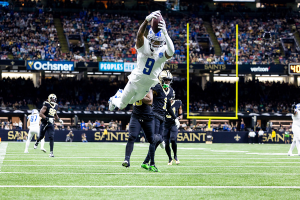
[
  {"x": 90, "y": 73},
  {"x": 98, "y": 73}
]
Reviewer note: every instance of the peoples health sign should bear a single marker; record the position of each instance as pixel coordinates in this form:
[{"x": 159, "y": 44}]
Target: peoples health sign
[
  {"x": 116, "y": 66},
  {"x": 50, "y": 65}
]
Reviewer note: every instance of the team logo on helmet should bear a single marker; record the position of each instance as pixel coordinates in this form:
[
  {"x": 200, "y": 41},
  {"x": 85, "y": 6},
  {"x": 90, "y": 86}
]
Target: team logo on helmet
[
  {"x": 163, "y": 76},
  {"x": 157, "y": 40}
]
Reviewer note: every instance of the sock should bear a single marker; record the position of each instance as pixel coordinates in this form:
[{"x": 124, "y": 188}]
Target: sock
[
  {"x": 27, "y": 144},
  {"x": 147, "y": 159},
  {"x": 42, "y": 143},
  {"x": 292, "y": 146},
  {"x": 298, "y": 145},
  {"x": 152, "y": 154},
  {"x": 51, "y": 144},
  {"x": 174, "y": 148},
  {"x": 129, "y": 149},
  {"x": 168, "y": 150}
]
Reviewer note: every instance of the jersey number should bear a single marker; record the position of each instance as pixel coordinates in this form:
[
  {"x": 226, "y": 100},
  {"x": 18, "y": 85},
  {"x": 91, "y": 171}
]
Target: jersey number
[
  {"x": 33, "y": 118},
  {"x": 148, "y": 66},
  {"x": 165, "y": 104},
  {"x": 52, "y": 112},
  {"x": 138, "y": 103}
]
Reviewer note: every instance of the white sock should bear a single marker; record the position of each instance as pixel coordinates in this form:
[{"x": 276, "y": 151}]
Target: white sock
[
  {"x": 42, "y": 143},
  {"x": 298, "y": 146},
  {"x": 292, "y": 146},
  {"x": 28, "y": 142}
]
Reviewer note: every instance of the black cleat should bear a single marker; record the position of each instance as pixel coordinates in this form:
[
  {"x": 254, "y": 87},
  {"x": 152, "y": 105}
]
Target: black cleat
[{"x": 126, "y": 163}]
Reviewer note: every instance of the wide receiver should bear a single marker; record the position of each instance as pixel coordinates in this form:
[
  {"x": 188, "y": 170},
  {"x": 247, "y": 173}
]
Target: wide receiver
[
  {"x": 152, "y": 53},
  {"x": 33, "y": 123},
  {"x": 296, "y": 130}
]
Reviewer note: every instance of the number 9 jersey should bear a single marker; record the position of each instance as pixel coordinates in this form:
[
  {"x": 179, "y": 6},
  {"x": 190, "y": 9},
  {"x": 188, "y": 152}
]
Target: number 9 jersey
[
  {"x": 50, "y": 111},
  {"x": 149, "y": 64}
]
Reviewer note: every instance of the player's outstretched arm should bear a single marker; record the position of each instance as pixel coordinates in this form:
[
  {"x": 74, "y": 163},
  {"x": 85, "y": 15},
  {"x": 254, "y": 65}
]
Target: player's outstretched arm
[
  {"x": 148, "y": 99},
  {"x": 28, "y": 123},
  {"x": 142, "y": 29},
  {"x": 170, "y": 46}
]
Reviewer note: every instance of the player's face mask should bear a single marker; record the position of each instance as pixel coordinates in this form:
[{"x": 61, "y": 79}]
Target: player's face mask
[
  {"x": 157, "y": 40},
  {"x": 166, "y": 83}
]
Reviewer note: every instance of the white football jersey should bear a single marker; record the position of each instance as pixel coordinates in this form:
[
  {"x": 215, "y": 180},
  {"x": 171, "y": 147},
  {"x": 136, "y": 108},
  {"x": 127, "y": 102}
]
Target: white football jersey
[
  {"x": 149, "y": 64},
  {"x": 34, "y": 120},
  {"x": 296, "y": 120}
]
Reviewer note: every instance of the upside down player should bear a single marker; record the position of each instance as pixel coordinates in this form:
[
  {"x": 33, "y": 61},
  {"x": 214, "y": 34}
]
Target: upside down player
[
  {"x": 152, "y": 53},
  {"x": 162, "y": 94},
  {"x": 48, "y": 113},
  {"x": 142, "y": 116},
  {"x": 171, "y": 129}
]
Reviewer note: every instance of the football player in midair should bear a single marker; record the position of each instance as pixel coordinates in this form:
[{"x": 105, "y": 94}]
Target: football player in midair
[
  {"x": 152, "y": 53},
  {"x": 48, "y": 113}
]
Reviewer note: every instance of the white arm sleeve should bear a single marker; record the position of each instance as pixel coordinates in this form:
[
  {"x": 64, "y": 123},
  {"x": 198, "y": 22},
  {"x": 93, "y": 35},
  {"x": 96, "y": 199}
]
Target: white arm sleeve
[{"x": 170, "y": 46}]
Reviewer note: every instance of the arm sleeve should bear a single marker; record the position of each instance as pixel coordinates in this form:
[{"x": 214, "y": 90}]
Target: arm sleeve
[
  {"x": 170, "y": 46},
  {"x": 169, "y": 108}
]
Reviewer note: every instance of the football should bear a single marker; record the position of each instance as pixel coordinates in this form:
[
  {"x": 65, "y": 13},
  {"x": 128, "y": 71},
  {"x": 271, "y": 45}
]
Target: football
[{"x": 154, "y": 24}]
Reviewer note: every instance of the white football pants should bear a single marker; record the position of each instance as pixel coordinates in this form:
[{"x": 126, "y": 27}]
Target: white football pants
[
  {"x": 133, "y": 91},
  {"x": 31, "y": 133}
]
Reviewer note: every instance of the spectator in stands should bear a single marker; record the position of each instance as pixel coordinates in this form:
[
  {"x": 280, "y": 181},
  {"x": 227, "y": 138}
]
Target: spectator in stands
[
  {"x": 273, "y": 135},
  {"x": 243, "y": 126},
  {"x": 83, "y": 126},
  {"x": 20, "y": 125},
  {"x": 286, "y": 136}
]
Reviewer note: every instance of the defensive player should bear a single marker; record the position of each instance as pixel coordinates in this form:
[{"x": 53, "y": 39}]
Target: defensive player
[
  {"x": 162, "y": 94},
  {"x": 171, "y": 130},
  {"x": 142, "y": 117},
  {"x": 48, "y": 113},
  {"x": 33, "y": 123},
  {"x": 152, "y": 53},
  {"x": 296, "y": 130}
]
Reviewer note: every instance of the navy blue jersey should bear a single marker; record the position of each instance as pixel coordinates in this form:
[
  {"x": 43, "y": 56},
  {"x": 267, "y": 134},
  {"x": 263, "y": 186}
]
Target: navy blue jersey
[
  {"x": 50, "y": 111},
  {"x": 142, "y": 111},
  {"x": 160, "y": 99},
  {"x": 175, "y": 105}
]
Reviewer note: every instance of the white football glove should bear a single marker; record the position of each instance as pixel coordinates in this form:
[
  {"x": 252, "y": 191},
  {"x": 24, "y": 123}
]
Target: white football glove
[
  {"x": 162, "y": 26},
  {"x": 61, "y": 121},
  {"x": 177, "y": 123},
  {"x": 51, "y": 120},
  {"x": 154, "y": 14}
]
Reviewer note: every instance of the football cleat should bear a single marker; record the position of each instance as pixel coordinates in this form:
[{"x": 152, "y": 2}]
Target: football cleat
[
  {"x": 51, "y": 154},
  {"x": 170, "y": 162},
  {"x": 289, "y": 153},
  {"x": 126, "y": 164},
  {"x": 145, "y": 166},
  {"x": 35, "y": 145},
  {"x": 176, "y": 160},
  {"x": 26, "y": 151},
  {"x": 153, "y": 168},
  {"x": 44, "y": 150},
  {"x": 162, "y": 144},
  {"x": 111, "y": 105}
]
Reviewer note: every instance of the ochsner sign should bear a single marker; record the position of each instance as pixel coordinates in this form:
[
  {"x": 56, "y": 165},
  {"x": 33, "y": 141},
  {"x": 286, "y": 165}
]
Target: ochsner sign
[{"x": 50, "y": 65}]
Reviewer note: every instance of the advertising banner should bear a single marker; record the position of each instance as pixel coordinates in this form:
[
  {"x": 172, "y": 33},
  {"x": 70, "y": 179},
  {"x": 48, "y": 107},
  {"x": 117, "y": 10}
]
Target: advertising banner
[
  {"x": 262, "y": 69},
  {"x": 111, "y": 66},
  {"x": 129, "y": 66},
  {"x": 50, "y": 65},
  {"x": 122, "y": 136}
]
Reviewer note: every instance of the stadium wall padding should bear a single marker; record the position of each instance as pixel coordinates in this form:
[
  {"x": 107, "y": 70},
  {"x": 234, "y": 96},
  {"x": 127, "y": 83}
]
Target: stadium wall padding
[{"x": 122, "y": 136}]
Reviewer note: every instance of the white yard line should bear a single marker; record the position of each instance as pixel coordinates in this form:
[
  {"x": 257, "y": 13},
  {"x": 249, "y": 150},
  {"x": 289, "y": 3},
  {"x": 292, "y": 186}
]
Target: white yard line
[
  {"x": 3, "y": 146},
  {"x": 156, "y": 187},
  {"x": 149, "y": 173},
  {"x": 180, "y": 166}
]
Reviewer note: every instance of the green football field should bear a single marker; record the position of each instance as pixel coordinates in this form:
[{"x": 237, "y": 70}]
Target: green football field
[{"x": 94, "y": 171}]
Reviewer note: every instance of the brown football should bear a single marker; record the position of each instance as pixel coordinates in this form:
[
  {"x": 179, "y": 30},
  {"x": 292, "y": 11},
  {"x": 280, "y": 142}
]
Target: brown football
[{"x": 154, "y": 24}]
